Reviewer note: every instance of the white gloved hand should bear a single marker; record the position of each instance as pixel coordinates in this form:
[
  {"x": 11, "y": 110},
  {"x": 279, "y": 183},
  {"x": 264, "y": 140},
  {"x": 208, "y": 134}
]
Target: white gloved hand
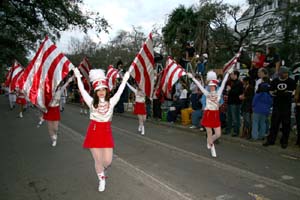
[
  {"x": 190, "y": 75},
  {"x": 77, "y": 73}
]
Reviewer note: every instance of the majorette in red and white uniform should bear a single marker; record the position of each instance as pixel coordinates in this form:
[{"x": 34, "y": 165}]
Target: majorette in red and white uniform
[
  {"x": 99, "y": 134},
  {"x": 139, "y": 106},
  {"x": 53, "y": 113},
  {"x": 211, "y": 116},
  {"x": 21, "y": 100}
]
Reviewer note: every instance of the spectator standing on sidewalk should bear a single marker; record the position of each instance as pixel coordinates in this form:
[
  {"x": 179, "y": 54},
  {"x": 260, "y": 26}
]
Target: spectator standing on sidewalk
[
  {"x": 246, "y": 107},
  {"x": 262, "y": 103},
  {"x": 211, "y": 116},
  {"x": 99, "y": 137},
  {"x": 282, "y": 89},
  {"x": 234, "y": 89}
]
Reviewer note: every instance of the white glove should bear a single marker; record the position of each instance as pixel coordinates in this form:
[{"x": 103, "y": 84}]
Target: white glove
[
  {"x": 77, "y": 73},
  {"x": 190, "y": 75}
]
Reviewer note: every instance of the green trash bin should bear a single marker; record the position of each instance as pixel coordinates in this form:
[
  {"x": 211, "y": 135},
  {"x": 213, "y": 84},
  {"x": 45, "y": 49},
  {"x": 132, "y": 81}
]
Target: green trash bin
[{"x": 164, "y": 116}]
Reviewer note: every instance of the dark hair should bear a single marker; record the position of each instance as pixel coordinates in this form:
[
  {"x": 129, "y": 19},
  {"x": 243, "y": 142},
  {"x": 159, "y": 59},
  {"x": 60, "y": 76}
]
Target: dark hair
[
  {"x": 246, "y": 79},
  {"x": 237, "y": 73},
  {"x": 264, "y": 70},
  {"x": 260, "y": 50},
  {"x": 96, "y": 98},
  {"x": 119, "y": 63},
  {"x": 272, "y": 50}
]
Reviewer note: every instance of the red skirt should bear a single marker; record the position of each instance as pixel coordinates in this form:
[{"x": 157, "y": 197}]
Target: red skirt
[
  {"x": 53, "y": 114},
  {"x": 211, "y": 119},
  {"x": 99, "y": 135},
  {"x": 21, "y": 101},
  {"x": 139, "y": 109}
]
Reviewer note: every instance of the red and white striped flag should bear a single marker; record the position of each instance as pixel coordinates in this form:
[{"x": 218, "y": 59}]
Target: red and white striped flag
[
  {"x": 84, "y": 68},
  {"x": 231, "y": 63},
  {"x": 9, "y": 74},
  {"x": 111, "y": 75},
  {"x": 16, "y": 74},
  {"x": 171, "y": 74},
  {"x": 44, "y": 73},
  {"x": 142, "y": 68}
]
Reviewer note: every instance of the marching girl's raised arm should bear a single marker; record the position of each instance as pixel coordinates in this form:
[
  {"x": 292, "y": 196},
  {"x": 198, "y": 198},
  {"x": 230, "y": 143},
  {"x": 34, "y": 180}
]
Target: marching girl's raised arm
[
  {"x": 85, "y": 95},
  {"x": 114, "y": 100},
  {"x": 203, "y": 90}
]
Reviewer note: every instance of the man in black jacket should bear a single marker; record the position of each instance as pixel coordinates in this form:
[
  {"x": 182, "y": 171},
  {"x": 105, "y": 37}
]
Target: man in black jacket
[{"x": 281, "y": 89}]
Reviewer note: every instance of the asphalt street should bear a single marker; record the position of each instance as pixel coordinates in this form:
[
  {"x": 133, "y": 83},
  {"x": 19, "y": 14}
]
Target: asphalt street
[{"x": 169, "y": 162}]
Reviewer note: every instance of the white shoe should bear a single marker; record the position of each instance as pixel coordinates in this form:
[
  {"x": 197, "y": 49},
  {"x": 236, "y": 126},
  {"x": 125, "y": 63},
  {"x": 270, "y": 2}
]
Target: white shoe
[
  {"x": 143, "y": 130},
  {"x": 102, "y": 182},
  {"x": 193, "y": 127},
  {"x": 140, "y": 128},
  {"x": 202, "y": 129},
  {"x": 85, "y": 112},
  {"x": 40, "y": 123},
  {"x": 208, "y": 146},
  {"x": 54, "y": 140},
  {"x": 213, "y": 151},
  {"x": 21, "y": 115}
]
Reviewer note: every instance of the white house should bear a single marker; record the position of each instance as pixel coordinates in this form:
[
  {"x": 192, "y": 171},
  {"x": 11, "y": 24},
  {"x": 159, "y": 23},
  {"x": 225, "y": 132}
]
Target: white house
[{"x": 262, "y": 17}]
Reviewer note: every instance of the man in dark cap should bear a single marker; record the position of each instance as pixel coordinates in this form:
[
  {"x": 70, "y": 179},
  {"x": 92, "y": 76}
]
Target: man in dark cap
[{"x": 281, "y": 89}]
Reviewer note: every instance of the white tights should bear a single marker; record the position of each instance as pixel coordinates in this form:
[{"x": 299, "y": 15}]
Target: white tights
[
  {"x": 53, "y": 128},
  {"x": 212, "y": 138},
  {"x": 142, "y": 119},
  {"x": 102, "y": 157}
]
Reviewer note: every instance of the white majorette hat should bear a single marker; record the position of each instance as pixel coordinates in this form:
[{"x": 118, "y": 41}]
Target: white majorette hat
[
  {"x": 98, "y": 78},
  {"x": 211, "y": 75},
  {"x": 213, "y": 82}
]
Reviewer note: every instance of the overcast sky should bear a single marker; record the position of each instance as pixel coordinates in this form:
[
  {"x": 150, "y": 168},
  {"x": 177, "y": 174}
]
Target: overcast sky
[{"x": 122, "y": 14}]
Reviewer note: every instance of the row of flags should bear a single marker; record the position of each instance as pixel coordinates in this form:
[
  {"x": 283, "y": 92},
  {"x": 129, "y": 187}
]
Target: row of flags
[{"x": 40, "y": 79}]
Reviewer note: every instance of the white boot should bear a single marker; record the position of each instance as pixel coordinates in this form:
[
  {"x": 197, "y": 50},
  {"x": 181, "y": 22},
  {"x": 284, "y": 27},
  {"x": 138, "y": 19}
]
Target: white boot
[
  {"x": 21, "y": 115},
  {"x": 213, "y": 151},
  {"x": 143, "y": 130},
  {"x": 140, "y": 128},
  {"x": 102, "y": 182},
  {"x": 54, "y": 140}
]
